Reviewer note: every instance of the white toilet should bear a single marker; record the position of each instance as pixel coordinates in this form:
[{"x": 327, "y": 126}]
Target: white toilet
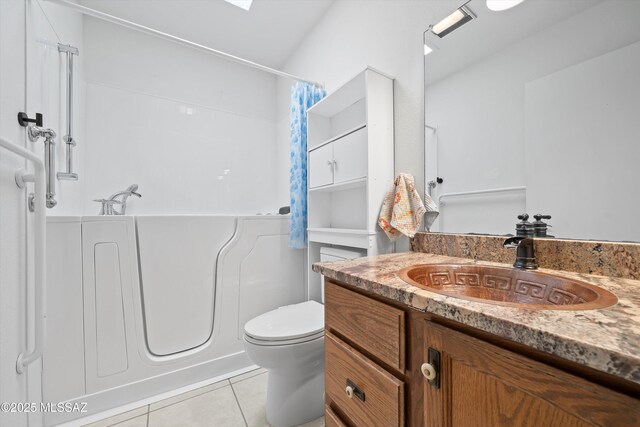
[{"x": 289, "y": 343}]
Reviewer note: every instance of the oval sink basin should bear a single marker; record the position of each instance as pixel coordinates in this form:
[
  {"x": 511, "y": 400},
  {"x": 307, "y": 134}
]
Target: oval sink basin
[{"x": 508, "y": 286}]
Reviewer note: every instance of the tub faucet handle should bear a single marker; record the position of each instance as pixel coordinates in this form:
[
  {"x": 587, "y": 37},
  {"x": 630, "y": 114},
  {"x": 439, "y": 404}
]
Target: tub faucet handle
[{"x": 107, "y": 206}]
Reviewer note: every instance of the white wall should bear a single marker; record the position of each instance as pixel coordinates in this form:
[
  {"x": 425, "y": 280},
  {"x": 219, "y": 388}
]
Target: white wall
[
  {"x": 386, "y": 35},
  {"x": 195, "y": 132},
  {"x": 480, "y": 112}
]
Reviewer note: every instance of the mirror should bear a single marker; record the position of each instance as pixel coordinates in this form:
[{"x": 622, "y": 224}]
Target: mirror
[{"x": 536, "y": 109}]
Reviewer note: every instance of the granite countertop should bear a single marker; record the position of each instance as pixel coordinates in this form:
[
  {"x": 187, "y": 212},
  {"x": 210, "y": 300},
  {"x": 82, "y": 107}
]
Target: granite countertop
[{"x": 605, "y": 339}]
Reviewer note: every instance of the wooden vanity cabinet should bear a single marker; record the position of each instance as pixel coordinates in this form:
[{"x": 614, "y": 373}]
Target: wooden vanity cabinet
[
  {"x": 481, "y": 384},
  {"x": 381, "y": 347}
]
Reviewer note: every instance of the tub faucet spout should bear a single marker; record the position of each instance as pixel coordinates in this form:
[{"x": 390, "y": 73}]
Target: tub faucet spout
[{"x": 119, "y": 198}]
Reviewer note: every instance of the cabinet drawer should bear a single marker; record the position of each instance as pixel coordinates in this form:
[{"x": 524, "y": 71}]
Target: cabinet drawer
[
  {"x": 350, "y": 156},
  {"x": 375, "y": 327},
  {"x": 331, "y": 419},
  {"x": 379, "y": 397},
  {"x": 321, "y": 166}
]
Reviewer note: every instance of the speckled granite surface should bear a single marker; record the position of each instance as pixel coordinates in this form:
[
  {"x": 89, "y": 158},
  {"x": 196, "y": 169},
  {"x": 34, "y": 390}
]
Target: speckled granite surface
[
  {"x": 607, "y": 339},
  {"x": 615, "y": 259}
]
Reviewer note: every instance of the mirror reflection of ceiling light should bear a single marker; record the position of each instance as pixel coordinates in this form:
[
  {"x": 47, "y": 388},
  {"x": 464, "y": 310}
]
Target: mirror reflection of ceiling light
[
  {"x": 242, "y": 4},
  {"x": 500, "y": 5},
  {"x": 452, "y": 22}
]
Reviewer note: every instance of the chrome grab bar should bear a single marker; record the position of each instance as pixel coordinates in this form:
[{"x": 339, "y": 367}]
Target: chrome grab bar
[
  {"x": 69, "y": 175},
  {"x": 469, "y": 193},
  {"x": 36, "y": 132},
  {"x": 38, "y": 178}
]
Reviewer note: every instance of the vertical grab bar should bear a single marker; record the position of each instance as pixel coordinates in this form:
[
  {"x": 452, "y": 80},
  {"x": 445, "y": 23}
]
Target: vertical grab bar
[
  {"x": 69, "y": 175},
  {"x": 38, "y": 178},
  {"x": 34, "y": 133}
]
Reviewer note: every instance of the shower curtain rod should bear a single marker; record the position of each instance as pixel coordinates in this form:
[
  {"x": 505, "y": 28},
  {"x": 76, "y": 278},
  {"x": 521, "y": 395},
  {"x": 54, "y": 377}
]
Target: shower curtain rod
[{"x": 132, "y": 25}]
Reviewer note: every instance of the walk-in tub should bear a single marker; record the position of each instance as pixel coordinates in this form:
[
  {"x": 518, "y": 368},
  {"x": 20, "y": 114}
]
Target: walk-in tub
[{"x": 141, "y": 305}]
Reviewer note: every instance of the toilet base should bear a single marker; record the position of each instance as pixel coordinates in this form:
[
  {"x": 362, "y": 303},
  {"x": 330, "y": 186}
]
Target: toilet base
[{"x": 294, "y": 398}]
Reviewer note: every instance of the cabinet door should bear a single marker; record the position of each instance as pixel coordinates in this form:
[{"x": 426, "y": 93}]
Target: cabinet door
[
  {"x": 485, "y": 385},
  {"x": 321, "y": 166},
  {"x": 350, "y": 156}
]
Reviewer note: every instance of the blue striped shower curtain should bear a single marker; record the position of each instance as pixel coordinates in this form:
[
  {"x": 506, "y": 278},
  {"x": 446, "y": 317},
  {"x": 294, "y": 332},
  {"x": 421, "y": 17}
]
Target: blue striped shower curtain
[{"x": 303, "y": 96}]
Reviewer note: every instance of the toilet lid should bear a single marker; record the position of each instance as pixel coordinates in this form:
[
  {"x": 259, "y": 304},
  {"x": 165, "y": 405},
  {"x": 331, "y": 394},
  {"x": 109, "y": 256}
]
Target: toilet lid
[{"x": 287, "y": 323}]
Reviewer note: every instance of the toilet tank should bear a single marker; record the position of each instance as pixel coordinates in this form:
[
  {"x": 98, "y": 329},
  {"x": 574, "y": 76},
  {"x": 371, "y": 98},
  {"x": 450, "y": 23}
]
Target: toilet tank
[{"x": 328, "y": 254}]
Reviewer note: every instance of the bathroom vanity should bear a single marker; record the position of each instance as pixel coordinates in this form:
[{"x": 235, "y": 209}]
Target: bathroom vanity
[{"x": 397, "y": 354}]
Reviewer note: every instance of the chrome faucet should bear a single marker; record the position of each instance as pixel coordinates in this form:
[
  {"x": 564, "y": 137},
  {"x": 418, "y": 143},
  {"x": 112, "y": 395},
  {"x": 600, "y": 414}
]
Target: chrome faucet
[
  {"x": 119, "y": 198},
  {"x": 525, "y": 252}
]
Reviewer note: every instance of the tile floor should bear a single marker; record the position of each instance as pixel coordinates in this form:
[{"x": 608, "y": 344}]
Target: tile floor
[{"x": 236, "y": 402}]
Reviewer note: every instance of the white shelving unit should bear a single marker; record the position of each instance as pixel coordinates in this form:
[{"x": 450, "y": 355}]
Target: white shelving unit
[{"x": 350, "y": 161}]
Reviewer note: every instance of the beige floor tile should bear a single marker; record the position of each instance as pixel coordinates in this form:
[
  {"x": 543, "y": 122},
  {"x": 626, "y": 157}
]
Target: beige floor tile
[
  {"x": 252, "y": 397},
  {"x": 247, "y": 375},
  {"x": 187, "y": 395},
  {"x": 217, "y": 408},
  {"x": 116, "y": 419},
  {"x": 134, "y": 422},
  {"x": 318, "y": 422}
]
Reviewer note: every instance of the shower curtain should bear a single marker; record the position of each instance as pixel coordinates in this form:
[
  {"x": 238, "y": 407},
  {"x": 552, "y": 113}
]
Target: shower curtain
[{"x": 303, "y": 96}]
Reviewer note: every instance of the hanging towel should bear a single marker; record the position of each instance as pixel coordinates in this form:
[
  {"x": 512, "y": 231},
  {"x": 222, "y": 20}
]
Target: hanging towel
[
  {"x": 402, "y": 210},
  {"x": 432, "y": 211}
]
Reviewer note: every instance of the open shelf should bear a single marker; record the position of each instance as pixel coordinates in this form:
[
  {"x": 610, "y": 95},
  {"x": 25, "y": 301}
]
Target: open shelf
[
  {"x": 347, "y": 185},
  {"x": 357, "y": 231},
  {"x": 346, "y": 95},
  {"x": 336, "y": 137},
  {"x": 351, "y": 237}
]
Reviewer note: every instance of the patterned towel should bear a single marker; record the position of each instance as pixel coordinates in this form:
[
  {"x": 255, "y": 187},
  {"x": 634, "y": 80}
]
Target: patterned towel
[
  {"x": 402, "y": 210},
  {"x": 432, "y": 211}
]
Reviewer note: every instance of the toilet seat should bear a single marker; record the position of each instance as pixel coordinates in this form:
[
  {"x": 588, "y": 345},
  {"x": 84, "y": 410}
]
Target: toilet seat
[
  {"x": 291, "y": 324},
  {"x": 302, "y": 340}
]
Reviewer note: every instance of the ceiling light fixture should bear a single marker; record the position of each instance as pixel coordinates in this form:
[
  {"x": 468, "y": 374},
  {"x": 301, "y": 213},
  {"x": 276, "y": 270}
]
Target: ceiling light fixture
[
  {"x": 500, "y": 5},
  {"x": 242, "y": 4},
  {"x": 452, "y": 22}
]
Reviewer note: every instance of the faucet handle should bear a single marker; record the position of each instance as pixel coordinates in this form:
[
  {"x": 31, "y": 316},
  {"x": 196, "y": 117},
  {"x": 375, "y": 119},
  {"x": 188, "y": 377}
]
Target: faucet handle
[
  {"x": 107, "y": 201},
  {"x": 107, "y": 206},
  {"x": 524, "y": 228},
  {"x": 540, "y": 227}
]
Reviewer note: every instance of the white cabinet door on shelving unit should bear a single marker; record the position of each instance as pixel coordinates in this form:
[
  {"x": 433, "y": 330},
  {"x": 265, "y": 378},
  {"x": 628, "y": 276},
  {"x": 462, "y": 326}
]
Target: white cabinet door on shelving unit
[
  {"x": 321, "y": 166},
  {"x": 350, "y": 157}
]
